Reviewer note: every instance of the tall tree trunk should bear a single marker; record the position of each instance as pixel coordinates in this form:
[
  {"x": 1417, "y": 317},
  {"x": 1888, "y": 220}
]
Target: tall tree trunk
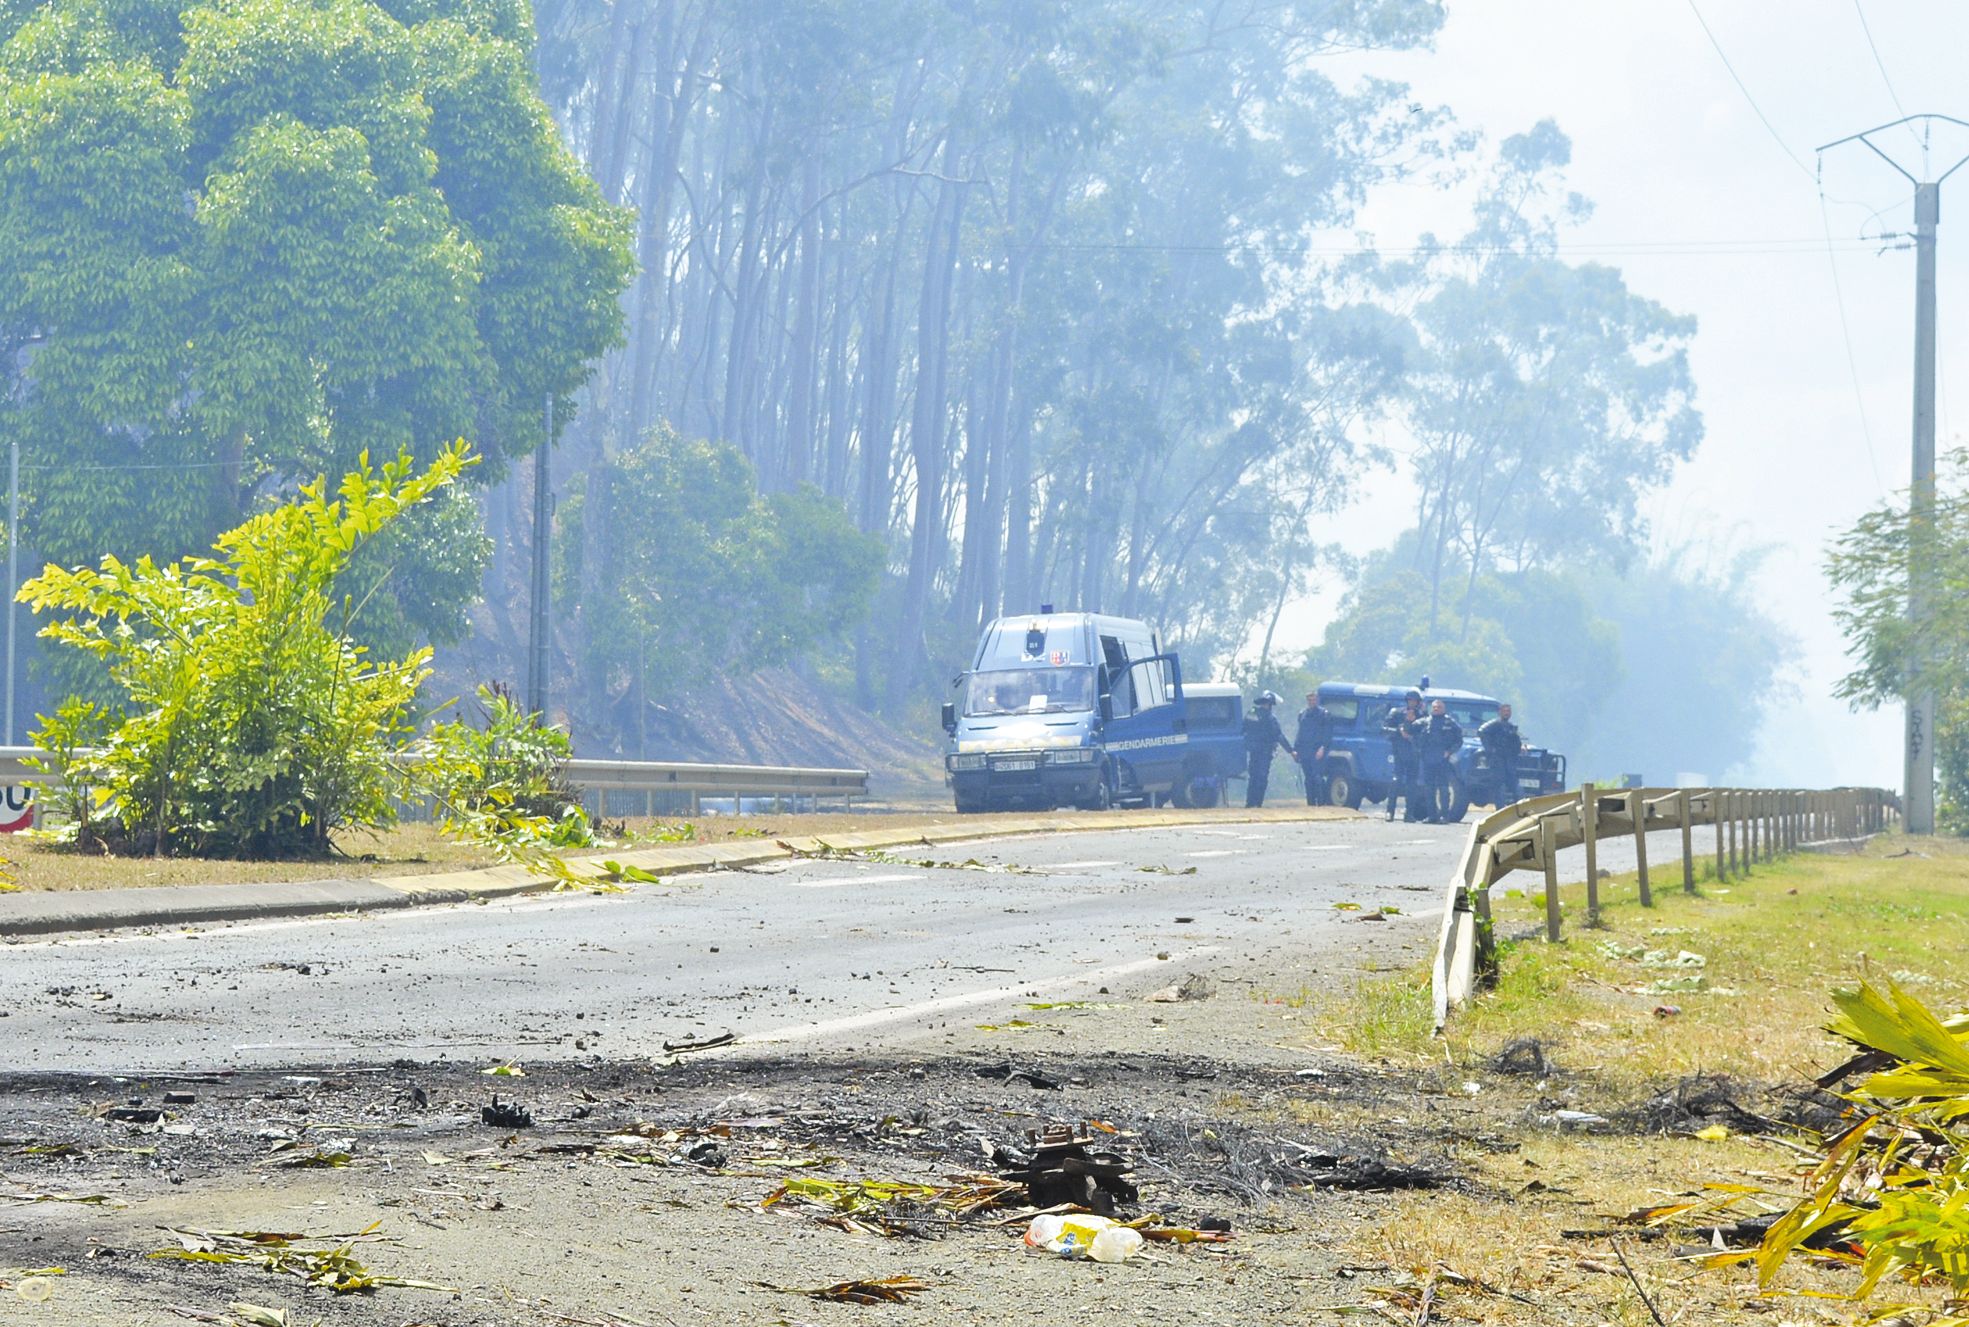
[
  {"x": 804, "y": 356},
  {"x": 926, "y": 430}
]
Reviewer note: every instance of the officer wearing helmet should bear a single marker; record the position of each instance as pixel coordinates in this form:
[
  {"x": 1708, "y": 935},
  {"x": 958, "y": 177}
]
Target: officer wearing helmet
[
  {"x": 1261, "y": 734},
  {"x": 1404, "y": 727}
]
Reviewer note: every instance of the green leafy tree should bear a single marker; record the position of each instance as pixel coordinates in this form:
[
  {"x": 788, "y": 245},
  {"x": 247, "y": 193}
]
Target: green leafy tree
[
  {"x": 250, "y": 240},
  {"x": 250, "y": 722},
  {"x": 1893, "y": 654},
  {"x": 707, "y": 577},
  {"x": 1666, "y": 667},
  {"x": 1547, "y": 398}
]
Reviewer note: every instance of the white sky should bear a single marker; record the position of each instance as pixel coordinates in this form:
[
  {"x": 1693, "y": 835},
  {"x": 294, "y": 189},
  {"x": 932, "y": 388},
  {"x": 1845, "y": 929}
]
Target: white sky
[{"x": 1673, "y": 155}]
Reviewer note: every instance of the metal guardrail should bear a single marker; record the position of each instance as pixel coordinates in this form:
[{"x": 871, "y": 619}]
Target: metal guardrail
[
  {"x": 635, "y": 776},
  {"x": 1751, "y": 824}
]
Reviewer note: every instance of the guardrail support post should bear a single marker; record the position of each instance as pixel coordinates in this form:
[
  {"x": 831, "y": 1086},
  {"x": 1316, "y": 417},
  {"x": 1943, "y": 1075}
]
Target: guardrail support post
[
  {"x": 1637, "y": 807},
  {"x": 1685, "y": 803},
  {"x": 1716, "y": 819},
  {"x": 1589, "y": 831},
  {"x": 1548, "y": 851}
]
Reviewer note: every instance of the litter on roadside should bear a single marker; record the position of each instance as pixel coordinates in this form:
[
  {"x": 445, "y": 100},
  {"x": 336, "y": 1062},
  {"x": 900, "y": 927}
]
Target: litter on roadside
[{"x": 1074, "y": 1236}]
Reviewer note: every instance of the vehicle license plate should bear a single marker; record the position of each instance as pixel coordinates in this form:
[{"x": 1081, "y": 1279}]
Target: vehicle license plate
[{"x": 1015, "y": 765}]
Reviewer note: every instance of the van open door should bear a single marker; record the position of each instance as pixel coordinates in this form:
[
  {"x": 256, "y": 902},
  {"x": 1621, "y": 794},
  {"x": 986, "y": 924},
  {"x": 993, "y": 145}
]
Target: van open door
[{"x": 1145, "y": 728}]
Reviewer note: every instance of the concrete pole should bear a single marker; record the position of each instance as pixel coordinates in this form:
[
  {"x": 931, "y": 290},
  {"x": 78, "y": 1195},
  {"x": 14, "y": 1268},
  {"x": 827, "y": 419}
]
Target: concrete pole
[
  {"x": 536, "y": 631},
  {"x": 1919, "y": 746},
  {"x": 13, "y": 568}
]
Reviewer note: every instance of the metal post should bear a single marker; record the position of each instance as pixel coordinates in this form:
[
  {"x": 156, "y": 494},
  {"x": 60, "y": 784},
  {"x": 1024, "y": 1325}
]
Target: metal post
[
  {"x": 1637, "y": 806},
  {"x": 1716, "y": 819},
  {"x": 1684, "y": 803},
  {"x": 1730, "y": 805},
  {"x": 1589, "y": 829},
  {"x": 1548, "y": 851},
  {"x": 536, "y": 632}
]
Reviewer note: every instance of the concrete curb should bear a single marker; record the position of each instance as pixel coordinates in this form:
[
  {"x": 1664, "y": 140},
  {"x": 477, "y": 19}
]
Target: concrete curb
[{"x": 37, "y": 913}]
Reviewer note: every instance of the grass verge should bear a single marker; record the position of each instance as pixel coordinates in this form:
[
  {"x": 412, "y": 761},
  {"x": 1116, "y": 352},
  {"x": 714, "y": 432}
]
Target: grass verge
[
  {"x": 1730, "y": 980},
  {"x": 1747, "y": 965}
]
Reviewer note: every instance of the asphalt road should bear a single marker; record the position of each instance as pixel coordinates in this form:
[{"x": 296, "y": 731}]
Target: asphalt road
[{"x": 834, "y": 954}]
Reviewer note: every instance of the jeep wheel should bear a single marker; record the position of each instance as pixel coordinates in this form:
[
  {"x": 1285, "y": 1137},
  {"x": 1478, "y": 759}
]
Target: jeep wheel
[
  {"x": 1203, "y": 791},
  {"x": 1459, "y": 800},
  {"x": 1342, "y": 790},
  {"x": 970, "y": 806}
]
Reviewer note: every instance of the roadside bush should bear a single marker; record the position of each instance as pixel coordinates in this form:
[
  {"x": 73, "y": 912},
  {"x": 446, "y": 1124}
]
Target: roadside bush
[
  {"x": 248, "y": 721},
  {"x": 502, "y": 776},
  {"x": 1894, "y": 1183}
]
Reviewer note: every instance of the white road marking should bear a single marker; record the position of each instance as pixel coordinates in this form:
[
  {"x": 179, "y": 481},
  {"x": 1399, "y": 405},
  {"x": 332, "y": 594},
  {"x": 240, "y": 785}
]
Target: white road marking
[
  {"x": 1219, "y": 833},
  {"x": 890, "y": 879},
  {"x": 1072, "y": 866},
  {"x": 902, "y": 1013},
  {"x": 1330, "y": 847},
  {"x": 1219, "y": 852}
]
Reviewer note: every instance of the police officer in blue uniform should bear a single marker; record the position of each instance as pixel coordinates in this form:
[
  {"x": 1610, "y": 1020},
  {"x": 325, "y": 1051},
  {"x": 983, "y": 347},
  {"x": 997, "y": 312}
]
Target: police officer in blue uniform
[
  {"x": 1403, "y": 727},
  {"x": 1315, "y": 732},
  {"x": 1502, "y": 746},
  {"x": 1438, "y": 744},
  {"x": 1261, "y": 734}
]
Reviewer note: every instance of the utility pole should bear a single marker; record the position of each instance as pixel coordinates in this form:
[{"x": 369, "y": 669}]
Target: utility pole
[
  {"x": 536, "y": 632},
  {"x": 21, "y": 360},
  {"x": 1918, "y": 746}
]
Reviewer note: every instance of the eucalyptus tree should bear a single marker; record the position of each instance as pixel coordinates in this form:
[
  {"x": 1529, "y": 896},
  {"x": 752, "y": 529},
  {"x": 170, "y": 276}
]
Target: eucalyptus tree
[
  {"x": 1020, "y": 286},
  {"x": 1547, "y": 399}
]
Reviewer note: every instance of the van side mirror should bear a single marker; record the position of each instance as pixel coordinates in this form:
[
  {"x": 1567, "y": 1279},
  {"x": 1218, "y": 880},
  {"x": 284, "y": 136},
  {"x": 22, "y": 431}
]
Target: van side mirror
[
  {"x": 1107, "y": 706},
  {"x": 949, "y": 717}
]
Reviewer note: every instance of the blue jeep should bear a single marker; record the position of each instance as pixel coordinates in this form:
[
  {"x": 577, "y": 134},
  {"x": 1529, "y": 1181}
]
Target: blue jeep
[{"x": 1360, "y": 767}]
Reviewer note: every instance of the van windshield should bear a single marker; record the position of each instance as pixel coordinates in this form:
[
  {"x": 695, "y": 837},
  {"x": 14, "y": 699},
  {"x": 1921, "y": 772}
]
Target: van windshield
[{"x": 1029, "y": 691}]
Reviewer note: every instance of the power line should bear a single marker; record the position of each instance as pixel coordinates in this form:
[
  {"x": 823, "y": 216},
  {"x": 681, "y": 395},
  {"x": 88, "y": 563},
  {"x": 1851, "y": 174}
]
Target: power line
[
  {"x": 1859, "y": 10},
  {"x": 1764, "y": 119},
  {"x": 1852, "y": 360}
]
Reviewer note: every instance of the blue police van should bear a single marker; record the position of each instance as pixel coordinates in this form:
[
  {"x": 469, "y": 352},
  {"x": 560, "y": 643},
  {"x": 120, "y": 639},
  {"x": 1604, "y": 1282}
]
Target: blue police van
[
  {"x": 1360, "y": 764},
  {"x": 1068, "y": 709}
]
